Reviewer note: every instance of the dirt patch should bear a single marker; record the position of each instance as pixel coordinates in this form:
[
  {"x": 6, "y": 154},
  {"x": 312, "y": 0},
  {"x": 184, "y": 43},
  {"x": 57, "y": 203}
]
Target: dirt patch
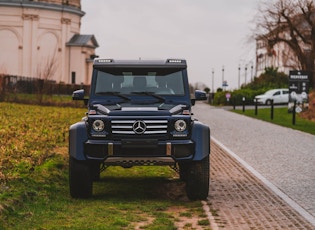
[
  {"x": 173, "y": 190},
  {"x": 188, "y": 219},
  {"x": 141, "y": 225},
  {"x": 184, "y": 217}
]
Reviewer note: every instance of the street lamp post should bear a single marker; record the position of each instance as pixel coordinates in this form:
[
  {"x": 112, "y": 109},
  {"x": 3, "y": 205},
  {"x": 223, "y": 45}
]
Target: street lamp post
[
  {"x": 212, "y": 80},
  {"x": 222, "y": 74},
  {"x": 239, "y": 75},
  {"x": 245, "y": 74}
]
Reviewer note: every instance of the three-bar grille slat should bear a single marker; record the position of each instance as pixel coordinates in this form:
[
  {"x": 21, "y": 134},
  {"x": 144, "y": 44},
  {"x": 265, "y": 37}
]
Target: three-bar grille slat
[{"x": 125, "y": 127}]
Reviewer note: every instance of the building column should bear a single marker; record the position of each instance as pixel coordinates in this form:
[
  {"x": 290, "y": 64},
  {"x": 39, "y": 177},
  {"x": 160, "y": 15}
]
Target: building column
[
  {"x": 65, "y": 58},
  {"x": 30, "y": 26}
]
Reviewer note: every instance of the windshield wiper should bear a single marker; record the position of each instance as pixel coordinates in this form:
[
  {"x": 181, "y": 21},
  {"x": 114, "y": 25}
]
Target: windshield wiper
[
  {"x": 161, "y": 99},
  {"x": 110, "y": 93}
]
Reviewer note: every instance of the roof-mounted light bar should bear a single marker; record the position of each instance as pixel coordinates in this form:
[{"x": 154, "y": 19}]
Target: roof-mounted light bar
[
  {"x": 104, "y": 60},
  {"x": 110, "y": 62},
  {"x": 174, "y": 61}
]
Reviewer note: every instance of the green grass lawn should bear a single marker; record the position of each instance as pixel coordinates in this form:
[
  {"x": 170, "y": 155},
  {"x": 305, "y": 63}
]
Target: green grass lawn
[
  {"x": 281, "y": 117},
  {"x": 34, "y": 192}
]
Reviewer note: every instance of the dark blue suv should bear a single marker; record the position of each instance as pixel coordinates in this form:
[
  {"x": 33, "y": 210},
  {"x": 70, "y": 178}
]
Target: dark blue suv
[{"x": 139, "y": 113}]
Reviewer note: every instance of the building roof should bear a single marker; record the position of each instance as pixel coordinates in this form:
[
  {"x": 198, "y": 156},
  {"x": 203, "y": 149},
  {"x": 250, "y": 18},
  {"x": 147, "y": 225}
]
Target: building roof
[
  {"x": 83, "y": 40},
  {"x": 72, "y": 7}
]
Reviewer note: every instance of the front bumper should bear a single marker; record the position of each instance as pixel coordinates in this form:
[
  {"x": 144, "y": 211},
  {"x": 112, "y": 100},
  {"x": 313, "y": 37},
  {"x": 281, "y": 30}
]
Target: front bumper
[
  {"x": 260, "y": 100},
  {"x": 150, "y": 150}
]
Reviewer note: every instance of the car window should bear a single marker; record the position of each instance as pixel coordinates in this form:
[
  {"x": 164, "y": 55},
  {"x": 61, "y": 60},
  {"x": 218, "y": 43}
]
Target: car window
[
  {"x": 286, "y": 92},
  {"x": 276, "y": 93}
]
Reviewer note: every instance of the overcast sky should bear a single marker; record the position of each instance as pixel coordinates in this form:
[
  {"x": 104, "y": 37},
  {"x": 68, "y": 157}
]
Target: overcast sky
[{"x": 209, "y": 34}]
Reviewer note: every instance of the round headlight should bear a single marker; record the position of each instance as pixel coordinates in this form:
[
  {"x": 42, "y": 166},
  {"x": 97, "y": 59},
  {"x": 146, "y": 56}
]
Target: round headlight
[
  {"x": 98, "y": 125},
  {"x": 180, "y": 125}
]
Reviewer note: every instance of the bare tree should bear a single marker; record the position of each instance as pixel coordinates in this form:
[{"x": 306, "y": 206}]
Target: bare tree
[
  {"x": 45, "y": 72},
  {"x": 2, "y": 82},
  {"x": 291, "y": 22}
]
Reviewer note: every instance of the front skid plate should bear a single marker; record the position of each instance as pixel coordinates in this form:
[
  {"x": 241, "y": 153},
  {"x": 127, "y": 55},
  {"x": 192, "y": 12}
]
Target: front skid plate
[{"x": 135, "y": 161}]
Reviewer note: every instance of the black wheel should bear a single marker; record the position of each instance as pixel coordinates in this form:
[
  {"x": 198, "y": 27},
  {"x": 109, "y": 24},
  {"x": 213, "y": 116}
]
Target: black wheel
[
  {"x": 268, "y": 102},
  {"x": 197, "y": 180},
  {"x": 80, "y": 179}
]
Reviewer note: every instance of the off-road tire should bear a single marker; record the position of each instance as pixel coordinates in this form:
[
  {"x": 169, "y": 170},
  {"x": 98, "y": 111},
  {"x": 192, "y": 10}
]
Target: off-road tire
[
  {"x": 197, "y": 179},
  {"x": 80, "y": 179}
]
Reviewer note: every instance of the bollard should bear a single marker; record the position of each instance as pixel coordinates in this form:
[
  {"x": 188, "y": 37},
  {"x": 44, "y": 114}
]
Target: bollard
[
  {"x": 243, "y": 99},
  {"x": 234, "y": 102},
  {"x": 256, "y": 106},
  {"x": 293, "y": 113},
  {"x": 271, "y": 110}
]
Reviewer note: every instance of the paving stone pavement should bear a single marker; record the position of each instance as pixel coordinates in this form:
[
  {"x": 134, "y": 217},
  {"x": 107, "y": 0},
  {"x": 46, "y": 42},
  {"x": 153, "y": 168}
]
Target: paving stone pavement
[{"x": 238, "y": 200}]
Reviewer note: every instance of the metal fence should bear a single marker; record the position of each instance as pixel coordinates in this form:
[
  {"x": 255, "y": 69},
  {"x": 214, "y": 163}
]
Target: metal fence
[{"x": 16, "y": 84}]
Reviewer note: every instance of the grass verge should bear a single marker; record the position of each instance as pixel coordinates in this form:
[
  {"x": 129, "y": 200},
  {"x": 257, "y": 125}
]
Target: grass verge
[{"x": 281, "y": 117}]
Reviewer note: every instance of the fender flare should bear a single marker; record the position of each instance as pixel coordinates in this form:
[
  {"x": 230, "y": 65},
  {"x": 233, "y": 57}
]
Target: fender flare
[
  {"x": 77, "y": 138},
  {"x": 201, "y": 137}
]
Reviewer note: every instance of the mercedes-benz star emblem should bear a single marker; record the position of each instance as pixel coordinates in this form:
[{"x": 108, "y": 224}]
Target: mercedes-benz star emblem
[{"x": 139, "y": 127}]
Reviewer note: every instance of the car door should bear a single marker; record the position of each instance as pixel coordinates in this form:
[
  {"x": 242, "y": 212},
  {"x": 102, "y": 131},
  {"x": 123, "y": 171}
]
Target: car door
[
  {"x": 276, "y": 97},
  {"x": 285, "y": 96}
]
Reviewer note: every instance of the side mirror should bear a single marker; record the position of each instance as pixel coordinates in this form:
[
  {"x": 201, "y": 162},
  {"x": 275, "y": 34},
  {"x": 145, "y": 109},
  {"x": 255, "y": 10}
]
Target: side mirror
[
  {"x": 200, "y": 95},
  {"x": 78, "y": 95}
]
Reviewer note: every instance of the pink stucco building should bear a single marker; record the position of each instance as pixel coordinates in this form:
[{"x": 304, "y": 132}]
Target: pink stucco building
[{"x": 41, "y": 39}]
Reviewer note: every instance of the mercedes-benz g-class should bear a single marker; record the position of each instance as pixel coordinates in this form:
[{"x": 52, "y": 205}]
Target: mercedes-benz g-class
[{"x": 139, "y": 113}]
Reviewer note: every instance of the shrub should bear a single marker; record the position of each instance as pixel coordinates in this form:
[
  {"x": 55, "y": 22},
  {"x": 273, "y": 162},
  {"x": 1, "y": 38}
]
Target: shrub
[
  {"x": 270, "y": 79},
  {"x": 237, "y": 97}
]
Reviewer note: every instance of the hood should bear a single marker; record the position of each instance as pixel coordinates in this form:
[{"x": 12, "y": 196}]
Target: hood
[
  {"x": 118, "y": 110},
  {"x": 261, "y": 96}
]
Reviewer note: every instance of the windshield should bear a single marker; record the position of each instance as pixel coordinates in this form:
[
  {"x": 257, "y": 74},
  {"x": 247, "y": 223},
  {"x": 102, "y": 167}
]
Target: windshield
[
  {"x": 270, "y": 92},
  {"x": 134, "y": 81}
]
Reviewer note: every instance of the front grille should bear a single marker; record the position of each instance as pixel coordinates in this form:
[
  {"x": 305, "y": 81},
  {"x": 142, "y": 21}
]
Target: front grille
[{"x": 127, "y": 127}]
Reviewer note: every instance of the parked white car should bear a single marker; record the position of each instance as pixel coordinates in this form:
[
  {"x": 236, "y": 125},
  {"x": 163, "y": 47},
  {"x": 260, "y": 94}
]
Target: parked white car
[{"x": 279, "y": 96}]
